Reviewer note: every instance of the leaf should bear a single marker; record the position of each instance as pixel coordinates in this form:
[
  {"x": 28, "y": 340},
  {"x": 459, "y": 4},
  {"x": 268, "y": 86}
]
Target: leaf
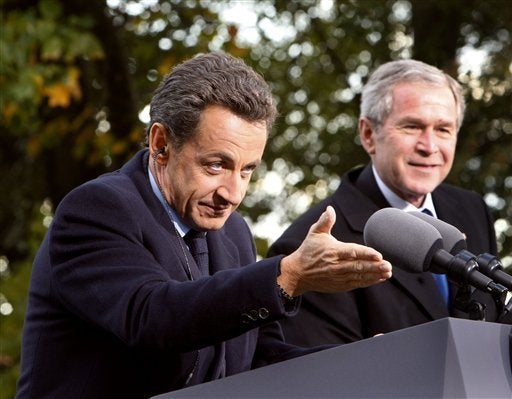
[
  {"x": 61, "y": 93},
  {"x": 83, "y": 45},
  {"x": 58, "y": 95},
  {"x": 8, "y": 111},
  {"x": 52, "y": 49},
  {"x": 50, "y": 9}
]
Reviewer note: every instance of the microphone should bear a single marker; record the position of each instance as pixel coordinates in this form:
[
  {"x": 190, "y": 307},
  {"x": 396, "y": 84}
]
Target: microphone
[
  {"x": 403, "y": 240},
  {"x": 455, "y": 242},
  {"x": 491, "y": 266},
  {"x": 416, "y": 246}
]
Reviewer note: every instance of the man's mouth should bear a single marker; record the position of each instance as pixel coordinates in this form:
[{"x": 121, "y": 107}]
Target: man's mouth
[
  {"x": 216, "y": 210},
  {"x": 423, "y": 165}
]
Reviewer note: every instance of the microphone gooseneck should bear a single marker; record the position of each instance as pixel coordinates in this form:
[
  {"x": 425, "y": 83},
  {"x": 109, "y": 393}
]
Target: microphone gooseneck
[{"x": 492, "y": 267}]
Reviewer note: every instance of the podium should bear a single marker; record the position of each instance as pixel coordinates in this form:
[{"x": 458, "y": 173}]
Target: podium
[{"x": 446, "y": 358}]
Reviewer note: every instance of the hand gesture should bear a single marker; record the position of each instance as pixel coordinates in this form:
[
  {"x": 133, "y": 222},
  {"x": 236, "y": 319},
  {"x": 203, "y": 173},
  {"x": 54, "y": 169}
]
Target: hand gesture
[{"x": 325, "y": 264}]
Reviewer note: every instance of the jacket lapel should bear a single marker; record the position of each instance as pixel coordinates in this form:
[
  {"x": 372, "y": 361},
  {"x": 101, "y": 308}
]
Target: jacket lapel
[
  {"x": 359, "y": 197},
  {"x": 448, "y": 210},
  {"x": 137, "y": 170}
]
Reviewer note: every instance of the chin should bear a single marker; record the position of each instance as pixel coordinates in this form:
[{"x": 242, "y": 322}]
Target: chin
[
  {"x": 422, "y": 186},
  {"x": 212, "y": 224}
]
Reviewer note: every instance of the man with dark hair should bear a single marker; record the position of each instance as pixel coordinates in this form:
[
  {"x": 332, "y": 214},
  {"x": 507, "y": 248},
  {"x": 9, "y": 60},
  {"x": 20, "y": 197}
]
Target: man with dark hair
[
  {"x": 147, "y": 280},
  {"x": 410, "y": 117}
]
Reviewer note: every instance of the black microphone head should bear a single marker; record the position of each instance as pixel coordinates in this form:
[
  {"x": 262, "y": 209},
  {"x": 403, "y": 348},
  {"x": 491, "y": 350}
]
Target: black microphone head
[
  {"x": 453, "y": 240},
  {"x": 404, "y": 240}
]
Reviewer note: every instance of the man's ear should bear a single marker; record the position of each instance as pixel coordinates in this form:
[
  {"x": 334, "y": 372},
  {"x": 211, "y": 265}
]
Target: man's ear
[
  {"x": 366, "y": 135},
  {"x": 158, "y": 141}
]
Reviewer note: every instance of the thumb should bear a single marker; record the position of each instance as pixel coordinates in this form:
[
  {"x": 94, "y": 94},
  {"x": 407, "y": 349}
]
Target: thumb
[{"x": 325, "y": 221}]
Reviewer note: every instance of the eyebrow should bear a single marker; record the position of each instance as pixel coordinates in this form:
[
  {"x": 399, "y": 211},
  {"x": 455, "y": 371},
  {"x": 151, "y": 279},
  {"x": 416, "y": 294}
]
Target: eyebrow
[
  {"x": 226, "y": 158},
  {"x": 419, "y": 121}
]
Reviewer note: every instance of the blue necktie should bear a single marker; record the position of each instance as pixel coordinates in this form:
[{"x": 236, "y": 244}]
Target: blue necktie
[{"x": 441, "y": 280}]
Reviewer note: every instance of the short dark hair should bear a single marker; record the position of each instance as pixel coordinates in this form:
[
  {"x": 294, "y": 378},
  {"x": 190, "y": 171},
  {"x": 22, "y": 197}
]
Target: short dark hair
[{"x": 209, "y": 79}]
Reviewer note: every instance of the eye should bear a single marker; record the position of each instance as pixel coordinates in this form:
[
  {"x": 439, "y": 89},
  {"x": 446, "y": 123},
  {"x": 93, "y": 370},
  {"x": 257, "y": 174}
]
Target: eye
[
  {"x": 445, "y": 131},
  {"x": 215, "y": 167},
  {"x": 247, "y": 171},
  {"x": 410, "y": 128}
]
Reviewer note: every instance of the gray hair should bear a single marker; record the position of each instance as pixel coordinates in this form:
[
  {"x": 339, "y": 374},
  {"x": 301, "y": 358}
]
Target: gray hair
[
  {"x": 209, "y": 79},
  {"x": 377, "y": 99}
]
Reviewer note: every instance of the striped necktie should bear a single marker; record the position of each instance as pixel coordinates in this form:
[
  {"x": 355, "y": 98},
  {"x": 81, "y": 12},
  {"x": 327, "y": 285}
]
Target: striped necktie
[
  {"x": 196, "y": 242},
  {"x": 441, "y": 280}
]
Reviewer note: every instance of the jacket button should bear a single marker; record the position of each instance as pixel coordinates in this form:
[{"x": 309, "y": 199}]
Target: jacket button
[
  {"x": 250, "y": 316},
  {"x": 246, "y": 319},
  {"x": 254, "y": 314},
  {"x": 263, "y": 313}
]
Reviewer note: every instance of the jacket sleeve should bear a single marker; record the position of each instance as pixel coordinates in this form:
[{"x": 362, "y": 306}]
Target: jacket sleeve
[{"x": 112, "y": 265}]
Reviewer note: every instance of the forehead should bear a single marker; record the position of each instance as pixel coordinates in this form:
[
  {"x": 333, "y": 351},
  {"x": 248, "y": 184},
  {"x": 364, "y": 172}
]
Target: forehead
[
  {"x": 221, "y": 129},
  {"x": 420, "y": 93},
  {"x": 423, "y": 99}
]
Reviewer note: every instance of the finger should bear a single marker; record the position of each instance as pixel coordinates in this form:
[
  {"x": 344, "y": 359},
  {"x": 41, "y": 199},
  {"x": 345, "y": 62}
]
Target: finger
[
  {"x": 325, "y": 221},
  {"x": 348, "y": 279},
  {"x": 367, "y": 279},
  {"x": 357, "y": 252},
  {"x": 382, "y": 268},
  {"x": 371, "y": 271},
  {"x": 359, "y": 270},
  {"x": 363, "y": 266}
]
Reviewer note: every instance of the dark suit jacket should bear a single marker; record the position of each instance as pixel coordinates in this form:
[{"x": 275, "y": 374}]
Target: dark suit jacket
[
  {"x": 406, "y": 299},
  {"x": 112, "y": 313}
]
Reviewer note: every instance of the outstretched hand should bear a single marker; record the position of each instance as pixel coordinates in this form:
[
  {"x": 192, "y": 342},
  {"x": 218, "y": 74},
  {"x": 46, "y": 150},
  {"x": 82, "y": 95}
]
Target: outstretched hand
[{"x": 324, "y": 264}]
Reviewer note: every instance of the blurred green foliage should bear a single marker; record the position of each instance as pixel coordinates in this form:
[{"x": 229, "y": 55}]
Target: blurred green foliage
[{"x": 74, "y": 77}]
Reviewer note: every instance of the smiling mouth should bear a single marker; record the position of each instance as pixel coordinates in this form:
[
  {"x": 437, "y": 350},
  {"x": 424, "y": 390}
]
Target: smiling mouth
[{"x": 423, "y": 166}]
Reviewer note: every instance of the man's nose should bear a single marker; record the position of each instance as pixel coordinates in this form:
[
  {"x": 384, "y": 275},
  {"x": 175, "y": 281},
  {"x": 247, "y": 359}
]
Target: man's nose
[
  {"x": 427, "y": 141},
  {"x": 233, "y": 188}
]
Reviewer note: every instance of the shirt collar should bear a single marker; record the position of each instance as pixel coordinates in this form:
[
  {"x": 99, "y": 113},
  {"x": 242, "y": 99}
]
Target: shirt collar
[
  {"x": 396, "y": 202},
  {"x": 180, "y": 225}
]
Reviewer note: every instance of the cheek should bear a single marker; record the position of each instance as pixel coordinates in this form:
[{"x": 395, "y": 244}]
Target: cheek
[
  {"x": 245, "y": 185},
  {"x": 203, "y": 188},
  {"x": 393, "y": 143},
  {"x": 393, "y": 151},
  {"x": 187, "y": 190},
  {"x": 447, "y": 151}
]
